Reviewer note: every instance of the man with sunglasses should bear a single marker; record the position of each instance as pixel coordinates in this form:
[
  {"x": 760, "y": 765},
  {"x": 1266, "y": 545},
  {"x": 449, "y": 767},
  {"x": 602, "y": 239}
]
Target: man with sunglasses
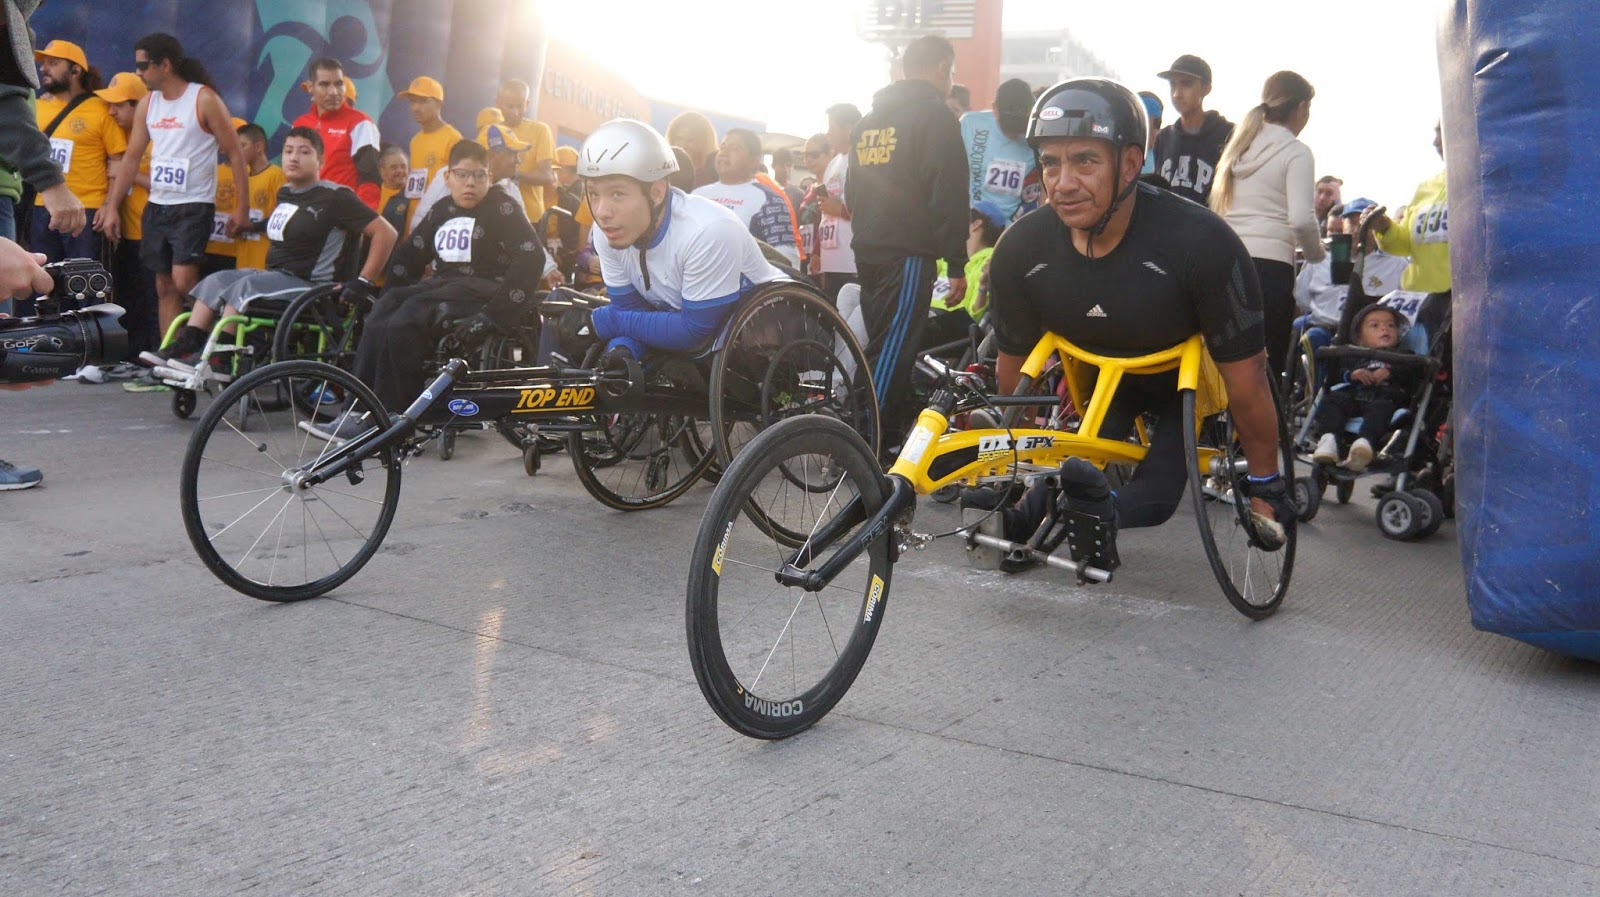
[{"x": 483, "y": 253}]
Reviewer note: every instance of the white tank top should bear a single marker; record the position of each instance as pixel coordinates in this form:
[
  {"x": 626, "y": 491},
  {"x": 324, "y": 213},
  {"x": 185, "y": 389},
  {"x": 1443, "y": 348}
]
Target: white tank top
[{"x": 183, "y": 157}]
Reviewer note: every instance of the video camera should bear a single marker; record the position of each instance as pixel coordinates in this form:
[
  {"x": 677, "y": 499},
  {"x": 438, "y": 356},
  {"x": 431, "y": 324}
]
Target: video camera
[{"x": 54, "y": 343}]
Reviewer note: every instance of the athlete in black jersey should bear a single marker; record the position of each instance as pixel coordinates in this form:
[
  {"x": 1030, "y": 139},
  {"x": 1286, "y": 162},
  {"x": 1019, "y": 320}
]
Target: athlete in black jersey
[{"x": 1126, "y": 269}]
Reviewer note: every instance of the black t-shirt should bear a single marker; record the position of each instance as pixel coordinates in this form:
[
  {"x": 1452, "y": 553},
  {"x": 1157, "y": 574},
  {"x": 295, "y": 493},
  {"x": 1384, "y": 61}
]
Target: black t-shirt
[
  {"x": 492, "y": 240},
  {"x": 1179, "y": 270},
  {"x": 311, "y": 228},
  {"x": 394, "y": 212}
]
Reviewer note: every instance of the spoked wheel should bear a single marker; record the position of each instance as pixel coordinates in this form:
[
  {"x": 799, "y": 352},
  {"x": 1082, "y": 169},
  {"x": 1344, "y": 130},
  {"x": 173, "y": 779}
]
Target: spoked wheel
[
  {"x": 253, "y": 524},
  {"x": 318, "y": 326},
  {"x": 787, "y": 352},
  {"x": 1253, "y": 579},
  {"x": 633, "y": 462},
  {"x": 772, "y": 660}
]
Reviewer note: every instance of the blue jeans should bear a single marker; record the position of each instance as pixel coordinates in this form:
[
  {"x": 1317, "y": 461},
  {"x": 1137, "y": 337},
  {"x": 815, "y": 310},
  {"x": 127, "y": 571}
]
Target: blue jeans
[{"x": 8, "y": 218}]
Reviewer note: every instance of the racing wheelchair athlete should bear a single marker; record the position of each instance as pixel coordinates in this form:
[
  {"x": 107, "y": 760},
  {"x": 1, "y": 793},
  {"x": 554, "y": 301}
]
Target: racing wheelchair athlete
[{"x": 1151, "y": 305}]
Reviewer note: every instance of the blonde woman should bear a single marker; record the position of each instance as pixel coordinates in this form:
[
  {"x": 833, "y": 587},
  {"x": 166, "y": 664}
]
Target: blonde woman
[
  {"x": 695, "y": 134},
  {"x": 1264, "y": 190}
]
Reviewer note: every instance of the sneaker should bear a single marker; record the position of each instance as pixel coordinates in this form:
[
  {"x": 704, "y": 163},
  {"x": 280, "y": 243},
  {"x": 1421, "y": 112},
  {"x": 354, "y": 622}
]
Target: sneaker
[
  {"x": 1327, "y": 450},
  {"x": 123, "y": 370},
  {"x": 13, "y": 477},
  {"x": 1360, "y": 456},
  {"x": 347, "y": 427}
]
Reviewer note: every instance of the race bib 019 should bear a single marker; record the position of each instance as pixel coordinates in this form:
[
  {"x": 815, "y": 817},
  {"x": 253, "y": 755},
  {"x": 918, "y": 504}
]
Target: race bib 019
[
  {"x": 452, "y": 242},
  {"x": 167, "y": 171},
  {"x": 219, "y": 228},
  {"x": 61, "y": 153},
  {"x": 280, "y": 220},
  {"x": 1004, "y": 176},
  {"x": 416, "y": 182}
]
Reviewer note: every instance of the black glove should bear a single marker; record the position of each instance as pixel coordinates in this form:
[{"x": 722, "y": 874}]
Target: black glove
[
  {"x": 621, "y": 368},
  {"x": 1274, "y": 490},
  {"x": 470, "y": 331},
  {"x": 359, "y": 292}
]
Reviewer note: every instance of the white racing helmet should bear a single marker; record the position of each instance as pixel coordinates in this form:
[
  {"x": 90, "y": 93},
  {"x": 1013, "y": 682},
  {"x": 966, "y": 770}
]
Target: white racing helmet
[{"x": 627, "y": 147}]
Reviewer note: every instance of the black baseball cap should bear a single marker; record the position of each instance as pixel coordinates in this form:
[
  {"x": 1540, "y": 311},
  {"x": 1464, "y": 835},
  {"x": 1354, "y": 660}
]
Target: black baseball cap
[{"x": 1188, "y": 64}]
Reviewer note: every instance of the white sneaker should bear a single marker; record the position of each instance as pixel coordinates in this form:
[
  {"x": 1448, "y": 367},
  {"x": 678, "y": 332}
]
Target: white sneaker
[
  {"x": 1327, "y": 450},
  {"x": 1360, "y": 456}
]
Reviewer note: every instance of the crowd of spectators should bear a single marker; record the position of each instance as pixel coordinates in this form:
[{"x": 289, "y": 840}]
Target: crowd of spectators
[{"x": 151, "y": 172}]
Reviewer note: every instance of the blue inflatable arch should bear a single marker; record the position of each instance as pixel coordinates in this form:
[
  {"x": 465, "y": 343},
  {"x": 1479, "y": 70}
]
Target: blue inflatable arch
[{"x": 1521, "y": 141}]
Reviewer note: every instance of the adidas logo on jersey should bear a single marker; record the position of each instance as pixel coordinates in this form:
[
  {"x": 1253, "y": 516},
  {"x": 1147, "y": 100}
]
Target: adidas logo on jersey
[
  {"x": 1036, "y": 269},
  {"x": 1156, "y": 268},
  {"x": 1096, "y": 312}
]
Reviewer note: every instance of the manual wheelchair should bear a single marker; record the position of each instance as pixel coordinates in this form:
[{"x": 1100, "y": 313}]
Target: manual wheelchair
[{"x": 280, "y": 515}]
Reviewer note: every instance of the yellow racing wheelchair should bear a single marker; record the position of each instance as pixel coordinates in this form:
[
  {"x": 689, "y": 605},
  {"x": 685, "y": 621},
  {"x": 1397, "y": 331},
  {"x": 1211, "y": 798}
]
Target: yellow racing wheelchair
[{"x": 790, "y": 574}]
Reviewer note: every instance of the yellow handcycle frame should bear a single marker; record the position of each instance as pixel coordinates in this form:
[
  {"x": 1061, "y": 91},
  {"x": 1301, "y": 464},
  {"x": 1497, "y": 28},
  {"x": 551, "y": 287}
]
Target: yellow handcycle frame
[{"x": 934, "y": 457}]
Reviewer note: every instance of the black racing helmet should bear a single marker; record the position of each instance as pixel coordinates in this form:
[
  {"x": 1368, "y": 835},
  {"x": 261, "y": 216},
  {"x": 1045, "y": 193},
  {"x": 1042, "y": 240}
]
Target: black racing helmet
[{"x": 1089, "y": 107}]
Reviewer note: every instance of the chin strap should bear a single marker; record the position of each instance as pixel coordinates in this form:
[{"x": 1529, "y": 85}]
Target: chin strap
[
  {"x": 1116, "y": 203},
  {"x": 656, "y": 212}
]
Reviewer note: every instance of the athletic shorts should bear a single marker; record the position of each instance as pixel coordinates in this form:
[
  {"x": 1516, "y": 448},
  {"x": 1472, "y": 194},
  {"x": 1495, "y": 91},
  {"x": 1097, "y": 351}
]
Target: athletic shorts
[
  {"x": 239, "y": 288},
  {"x": 175, "y": 235}
]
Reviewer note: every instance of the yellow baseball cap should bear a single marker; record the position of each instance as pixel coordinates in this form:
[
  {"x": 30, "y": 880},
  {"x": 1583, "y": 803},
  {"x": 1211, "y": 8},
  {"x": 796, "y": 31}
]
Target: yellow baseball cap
[
  {"x": 497, "y": 137},
  {"x": 566, "y": 157},
  {"x": 125, "y": 87},
  {"x": 238, "y": 122},
  {"x": 60, "y": 49},
  {"x": 489, "y": 115},
  {"x": 424, "y": 87}
]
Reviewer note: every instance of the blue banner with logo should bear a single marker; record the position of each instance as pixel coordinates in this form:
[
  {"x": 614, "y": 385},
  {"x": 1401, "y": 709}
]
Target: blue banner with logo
[{"x": 257, "y": 51}]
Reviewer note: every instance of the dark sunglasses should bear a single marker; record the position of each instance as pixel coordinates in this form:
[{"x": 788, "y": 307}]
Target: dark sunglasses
[{"x": 141, "y": 66}]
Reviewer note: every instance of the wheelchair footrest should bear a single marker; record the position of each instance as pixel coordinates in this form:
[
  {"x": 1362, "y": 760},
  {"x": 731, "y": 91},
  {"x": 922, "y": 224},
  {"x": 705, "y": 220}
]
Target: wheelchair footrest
[
  {"x": 1092, "y": 541},
  {"x": 979, "y": 541}
]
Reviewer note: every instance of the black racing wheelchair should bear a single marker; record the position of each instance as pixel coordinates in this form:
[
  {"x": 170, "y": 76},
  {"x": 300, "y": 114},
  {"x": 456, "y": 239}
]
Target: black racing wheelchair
[{"x": 281, "y": 515}]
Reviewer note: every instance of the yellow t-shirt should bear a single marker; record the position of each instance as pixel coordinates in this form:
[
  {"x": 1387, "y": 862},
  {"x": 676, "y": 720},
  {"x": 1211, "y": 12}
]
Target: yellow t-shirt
[
  {"x": 252, "y": 250},
  {"x": 81, "y": 145},
  {"x": 133, "y": 206},
  {"x": 227, "y": 197},
  {"x": 430, "y": 152}
]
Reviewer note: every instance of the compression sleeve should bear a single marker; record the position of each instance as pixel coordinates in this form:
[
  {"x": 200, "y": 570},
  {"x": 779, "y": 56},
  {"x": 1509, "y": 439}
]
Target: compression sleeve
[
  {"x": 1017, "y": 327},
  {"x": 675, "y": 331},
  {"x": 1227, "y": 296}
]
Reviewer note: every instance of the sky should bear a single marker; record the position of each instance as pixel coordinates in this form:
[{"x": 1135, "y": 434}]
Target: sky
[{"x": 1374, "y": 64}]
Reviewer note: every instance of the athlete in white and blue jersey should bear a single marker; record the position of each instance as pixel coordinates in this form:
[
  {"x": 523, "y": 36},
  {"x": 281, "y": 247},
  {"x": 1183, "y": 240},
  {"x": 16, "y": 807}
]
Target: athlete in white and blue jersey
[
  {"x": 999, "y": 160},
  {"x": 674, "y": 265}
]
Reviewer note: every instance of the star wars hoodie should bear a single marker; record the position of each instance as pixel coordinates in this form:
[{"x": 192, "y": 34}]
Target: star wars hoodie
[
  {"x": 908, "y": 178},
  {"x": 1188, "y": 159}
]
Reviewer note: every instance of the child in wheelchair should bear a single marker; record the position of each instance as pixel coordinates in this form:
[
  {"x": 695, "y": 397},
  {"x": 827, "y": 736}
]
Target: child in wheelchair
[{"x": 1367, "y": 388}]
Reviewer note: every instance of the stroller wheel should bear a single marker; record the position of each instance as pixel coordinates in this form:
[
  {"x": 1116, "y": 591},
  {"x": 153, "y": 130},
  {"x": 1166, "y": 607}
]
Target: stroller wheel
[
  {"x": 1400, "y": 516},
  {"x": 1434, "y": 515}
]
